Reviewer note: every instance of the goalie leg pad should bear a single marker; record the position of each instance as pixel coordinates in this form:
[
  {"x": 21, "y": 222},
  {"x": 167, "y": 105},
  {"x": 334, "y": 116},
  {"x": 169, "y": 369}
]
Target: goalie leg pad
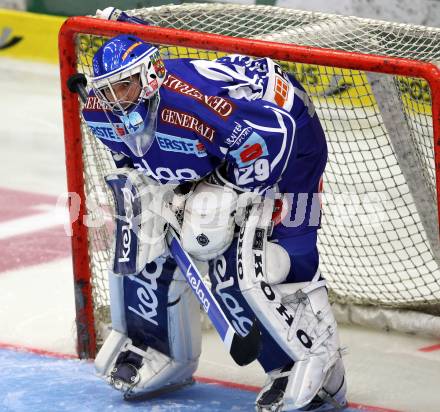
[
  {"x": 297, "y": 315},
  {"x": 315, "y": 344},
  {"x": 275, "y": 394},
  {"x": 224, "y": 280},
  {"x": 159, "y": 342}
]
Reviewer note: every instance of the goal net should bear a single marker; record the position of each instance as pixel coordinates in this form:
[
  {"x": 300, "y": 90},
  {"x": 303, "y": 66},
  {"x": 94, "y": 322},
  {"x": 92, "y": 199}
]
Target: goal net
[{"x": 378, "y": 98}]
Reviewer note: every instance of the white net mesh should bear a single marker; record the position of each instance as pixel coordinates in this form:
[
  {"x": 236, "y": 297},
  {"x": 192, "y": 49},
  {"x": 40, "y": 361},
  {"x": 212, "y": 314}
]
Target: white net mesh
[{"x": 376, "y": 246}]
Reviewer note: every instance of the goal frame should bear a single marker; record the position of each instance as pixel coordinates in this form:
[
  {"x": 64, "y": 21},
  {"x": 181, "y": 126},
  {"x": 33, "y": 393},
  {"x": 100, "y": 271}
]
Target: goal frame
[{"x": 86, "y": 343}]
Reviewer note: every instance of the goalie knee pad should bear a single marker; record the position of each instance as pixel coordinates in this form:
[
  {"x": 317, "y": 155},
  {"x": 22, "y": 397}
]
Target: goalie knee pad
[
  {"x": 155, "y": 340},
  {"x": 208, "y": 225},
  {"x": 224, "y": 279}
]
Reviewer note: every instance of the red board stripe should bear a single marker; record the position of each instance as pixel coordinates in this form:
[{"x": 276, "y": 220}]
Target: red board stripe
[
  {"x": 250, "y": 388},
  {"x": 201, "y": 379},
  {"x": 430, "y": 348},
  {"x": 228, "y": 384},
  {"x": 28, "y": 349}
]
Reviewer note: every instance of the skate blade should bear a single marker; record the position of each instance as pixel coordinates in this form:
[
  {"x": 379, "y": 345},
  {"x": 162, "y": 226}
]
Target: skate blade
[
  {"x": 139, "y": 397},
  {"x": 326, "y": 407}
]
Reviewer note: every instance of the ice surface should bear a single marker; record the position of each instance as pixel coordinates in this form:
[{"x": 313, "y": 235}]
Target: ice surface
[{"x": 36, "y": 383}]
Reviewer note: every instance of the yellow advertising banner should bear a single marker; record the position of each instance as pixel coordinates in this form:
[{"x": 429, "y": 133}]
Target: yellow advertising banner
[
  {"x": 29, "y": 36},
  {"x": 35, "y": 36}
]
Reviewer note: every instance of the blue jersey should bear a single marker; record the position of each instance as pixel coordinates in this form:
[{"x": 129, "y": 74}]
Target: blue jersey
[{"x": 244, "y": 119}]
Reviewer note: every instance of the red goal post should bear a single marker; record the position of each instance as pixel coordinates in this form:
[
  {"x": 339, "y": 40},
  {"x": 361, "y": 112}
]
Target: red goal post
[{"x": 68, "y": 39}]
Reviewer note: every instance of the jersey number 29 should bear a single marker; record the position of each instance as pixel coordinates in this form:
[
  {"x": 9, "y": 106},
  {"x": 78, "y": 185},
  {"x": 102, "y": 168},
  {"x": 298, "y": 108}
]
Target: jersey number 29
[{"x": 258, "y": 171}]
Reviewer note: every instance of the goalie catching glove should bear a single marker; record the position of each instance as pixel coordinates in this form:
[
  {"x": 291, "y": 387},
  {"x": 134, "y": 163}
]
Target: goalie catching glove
[
  {"x": 208, "y": 224},
  {"x": 211, "y": 214}
]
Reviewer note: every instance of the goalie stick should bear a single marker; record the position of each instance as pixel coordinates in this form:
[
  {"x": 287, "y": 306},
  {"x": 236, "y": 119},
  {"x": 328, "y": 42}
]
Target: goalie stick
[{"x": 243, "y": 349}]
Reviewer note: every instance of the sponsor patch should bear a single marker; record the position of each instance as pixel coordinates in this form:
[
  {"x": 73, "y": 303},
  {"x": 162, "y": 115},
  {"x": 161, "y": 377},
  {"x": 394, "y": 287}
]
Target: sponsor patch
[
  {"x": 252, "y": 149},
  {"x": 219, "y": 105},
  {"x": 281, "y": 87},
  {"x": 133, "y": 122},
  {"x": 281, "y": 91},
  {"x": 106, "y": 131},
  {"x": 239, "y": 133},
  {"x": 92, "y": 104},
  {"x": 187, "y": 121},
  {"x": 165, "y": 174},
  {"x": 170, "y": 143}
]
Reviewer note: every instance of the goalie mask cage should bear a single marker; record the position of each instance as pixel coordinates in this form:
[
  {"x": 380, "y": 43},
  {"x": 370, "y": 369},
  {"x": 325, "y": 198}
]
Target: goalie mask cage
[{"x": 376, "y": 89}]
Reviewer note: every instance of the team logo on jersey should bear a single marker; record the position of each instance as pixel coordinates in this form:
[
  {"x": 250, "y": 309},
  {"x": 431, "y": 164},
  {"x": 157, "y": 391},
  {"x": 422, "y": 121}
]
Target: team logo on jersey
[
  {"x": 170, "y": 143},
  {"x": 187, "y": 121},
  {"x": 219, "y": 105},
  {"x": 252, "y": 149},
  {"x": 106, "y": 131}
]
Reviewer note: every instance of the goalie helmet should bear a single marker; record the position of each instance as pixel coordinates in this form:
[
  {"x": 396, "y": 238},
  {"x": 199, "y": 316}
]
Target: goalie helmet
[{"x": 127, "y": 75}]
